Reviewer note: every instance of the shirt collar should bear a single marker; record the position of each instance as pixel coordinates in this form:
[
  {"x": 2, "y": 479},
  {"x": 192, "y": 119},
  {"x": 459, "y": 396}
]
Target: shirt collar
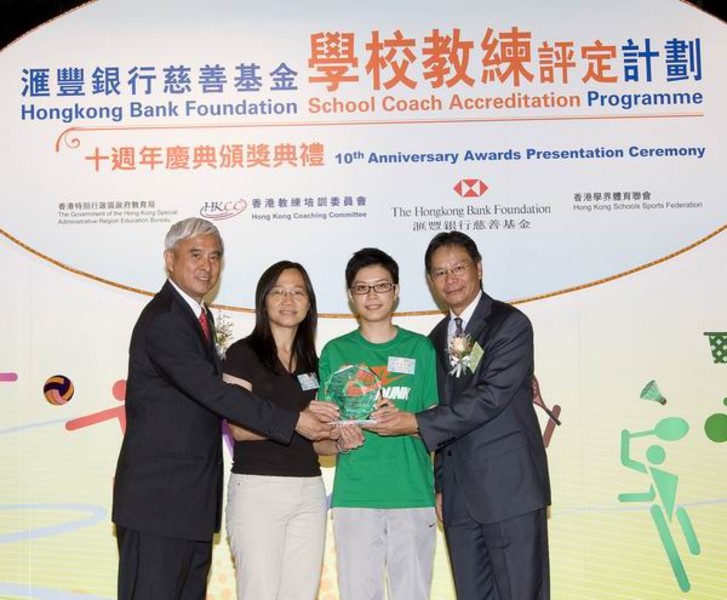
[
  {"x": 193, "y": 304},
  {"x": 467, "y": 313}
]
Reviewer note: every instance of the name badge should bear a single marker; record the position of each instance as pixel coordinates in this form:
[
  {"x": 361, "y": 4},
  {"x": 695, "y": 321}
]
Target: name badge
[
  {"x": 402, "y": 365},
  {"x": 308, "y": 381}
]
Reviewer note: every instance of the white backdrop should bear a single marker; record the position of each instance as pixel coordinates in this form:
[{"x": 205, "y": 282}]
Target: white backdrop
[{"x": 580, "y": 146}]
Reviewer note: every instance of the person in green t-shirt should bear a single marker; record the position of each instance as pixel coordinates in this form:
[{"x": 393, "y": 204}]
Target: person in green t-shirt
[{"x": 384, "y": 520}]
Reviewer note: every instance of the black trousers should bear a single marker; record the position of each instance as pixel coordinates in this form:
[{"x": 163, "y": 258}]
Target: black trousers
[
  {"x": 160, "y": 568},
  {"x": 508, "y": 560}
]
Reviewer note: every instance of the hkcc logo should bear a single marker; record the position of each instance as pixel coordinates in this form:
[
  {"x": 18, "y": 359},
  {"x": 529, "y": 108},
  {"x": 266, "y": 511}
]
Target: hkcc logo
[{"x": 218, "y": 211}]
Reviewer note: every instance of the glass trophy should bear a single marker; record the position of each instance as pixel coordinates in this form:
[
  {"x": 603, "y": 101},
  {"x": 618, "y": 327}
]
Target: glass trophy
[{"x": 355, "y": 389}]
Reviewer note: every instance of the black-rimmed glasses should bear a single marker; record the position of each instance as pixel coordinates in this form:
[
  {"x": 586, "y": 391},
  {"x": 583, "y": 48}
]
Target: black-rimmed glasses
[{"x": 361, "y": 289}]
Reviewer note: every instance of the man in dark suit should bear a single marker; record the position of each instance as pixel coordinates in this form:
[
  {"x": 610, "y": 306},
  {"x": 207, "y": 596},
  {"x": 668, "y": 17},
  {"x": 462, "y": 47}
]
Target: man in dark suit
[
  {"x": 168, "y": 483},
  {"x": 490, "y": 466}
]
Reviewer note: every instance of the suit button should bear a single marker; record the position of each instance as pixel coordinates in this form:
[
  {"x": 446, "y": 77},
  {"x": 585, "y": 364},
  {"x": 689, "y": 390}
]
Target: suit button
[{"x": 449, "y": 453}]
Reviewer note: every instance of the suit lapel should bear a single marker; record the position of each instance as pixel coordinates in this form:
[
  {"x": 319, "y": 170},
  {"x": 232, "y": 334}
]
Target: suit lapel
[
  {"x": 478, "y": 323},
  {"x": 209, "y": 346},
  {"x": 477, "y": 330}
]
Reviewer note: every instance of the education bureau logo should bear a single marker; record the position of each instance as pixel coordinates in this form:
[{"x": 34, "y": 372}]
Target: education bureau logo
[{"x": 219, "y": 210}]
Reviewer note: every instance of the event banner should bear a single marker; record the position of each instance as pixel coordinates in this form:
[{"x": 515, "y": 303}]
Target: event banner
[{"x": 581, "y": 145}]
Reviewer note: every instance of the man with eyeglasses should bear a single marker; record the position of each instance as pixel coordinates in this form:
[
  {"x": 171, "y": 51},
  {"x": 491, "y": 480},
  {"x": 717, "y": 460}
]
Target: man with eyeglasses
[
  {"x": 384, "y": 520},
  {"x": 491, "y": 471}
]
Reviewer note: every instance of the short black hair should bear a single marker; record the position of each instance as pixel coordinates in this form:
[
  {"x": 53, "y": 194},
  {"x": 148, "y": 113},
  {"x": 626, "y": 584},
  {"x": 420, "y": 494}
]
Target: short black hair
[
  {"x": 451, "y": 238},
  {"x": 367, "y": 257}
]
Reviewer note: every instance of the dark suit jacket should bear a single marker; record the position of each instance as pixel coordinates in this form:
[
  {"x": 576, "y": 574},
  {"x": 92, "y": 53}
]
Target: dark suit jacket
[
  {"x": 485, "y": 431},
  {"x": 169, "y": 474}
]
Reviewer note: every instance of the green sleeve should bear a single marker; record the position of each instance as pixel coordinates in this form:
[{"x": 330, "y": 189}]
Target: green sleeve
[
  {"x": 324, "y": 372},
  {"x": 430, "y": 395}
]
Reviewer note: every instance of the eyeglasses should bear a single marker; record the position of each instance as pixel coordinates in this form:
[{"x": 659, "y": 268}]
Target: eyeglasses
[
  {"x": 361, "y": 289},
  {"x": 279, "y": 294},
  {"x": 455, "y": 271}
]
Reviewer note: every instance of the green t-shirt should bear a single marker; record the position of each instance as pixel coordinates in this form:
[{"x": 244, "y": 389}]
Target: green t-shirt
[{"x": 386, "y": 472}]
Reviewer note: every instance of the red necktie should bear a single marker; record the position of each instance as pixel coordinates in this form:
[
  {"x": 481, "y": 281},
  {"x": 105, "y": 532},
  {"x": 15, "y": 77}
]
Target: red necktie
[
  {"x": 204, "y": 324},
  {"x": 458, "y": 331}
]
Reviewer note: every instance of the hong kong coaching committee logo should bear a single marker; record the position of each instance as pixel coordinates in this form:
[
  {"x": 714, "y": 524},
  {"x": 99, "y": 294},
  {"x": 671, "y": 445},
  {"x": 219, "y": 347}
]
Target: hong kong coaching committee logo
[{"x": 219, "y": 210}]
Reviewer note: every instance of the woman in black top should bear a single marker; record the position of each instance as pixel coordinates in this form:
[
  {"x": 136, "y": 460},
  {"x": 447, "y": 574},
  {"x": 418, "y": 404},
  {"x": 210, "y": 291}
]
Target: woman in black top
[{"x": 276, "y": 505}]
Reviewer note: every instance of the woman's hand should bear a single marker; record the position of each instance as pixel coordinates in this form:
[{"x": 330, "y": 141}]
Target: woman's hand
[
  {"x": 326, "y": 412},
  {"x": 351, "y": 437}
]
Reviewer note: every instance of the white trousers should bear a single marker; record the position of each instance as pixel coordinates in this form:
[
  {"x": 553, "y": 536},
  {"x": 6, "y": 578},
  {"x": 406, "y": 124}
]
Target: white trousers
[
  {"x": 276, "y": 528},
  {"x": 393, "y": 544}
]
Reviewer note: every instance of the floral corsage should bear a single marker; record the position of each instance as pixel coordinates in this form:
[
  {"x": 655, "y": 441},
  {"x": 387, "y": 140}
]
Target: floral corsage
[
  {"x": 464, "y": 353},
  {"x": 222, "y": 334}
]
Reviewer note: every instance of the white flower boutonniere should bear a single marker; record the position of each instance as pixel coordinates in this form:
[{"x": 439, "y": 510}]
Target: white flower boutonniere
[
  {"x": 464, "y": 353},
  {"x": 223, "y": 333}
]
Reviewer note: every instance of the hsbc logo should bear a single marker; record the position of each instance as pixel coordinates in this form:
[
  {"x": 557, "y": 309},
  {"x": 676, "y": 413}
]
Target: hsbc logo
[
  {"x": 218, "y": 211},
  {"x": 470, "y": 188}
]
